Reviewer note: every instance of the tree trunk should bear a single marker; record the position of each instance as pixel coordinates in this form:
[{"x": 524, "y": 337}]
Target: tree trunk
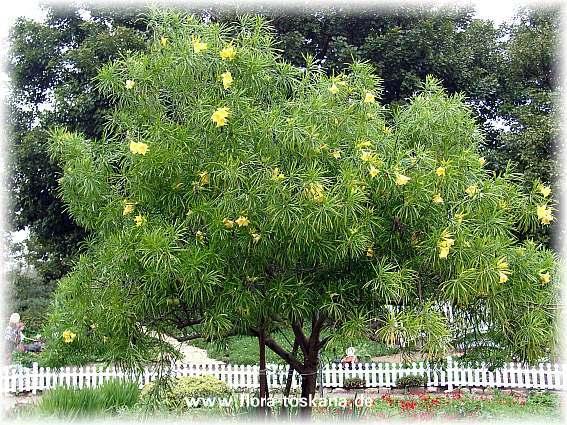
[
  {"x": 284, "y": 412},
  {"x": 263, "y": 379},
  {"x": 310, "y": 347},
  {"x": 309, "y": 372},
  {"x": 308, "y": 384}
]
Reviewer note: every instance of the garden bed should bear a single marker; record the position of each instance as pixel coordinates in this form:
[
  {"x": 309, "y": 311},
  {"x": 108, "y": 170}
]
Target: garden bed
[{"x": 369, "y": 404}]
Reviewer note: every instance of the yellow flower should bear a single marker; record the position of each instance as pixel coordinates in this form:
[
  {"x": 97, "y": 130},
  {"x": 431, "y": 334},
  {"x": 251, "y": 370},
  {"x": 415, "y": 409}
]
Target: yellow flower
[
  {"x": 364, "y": 144},
  {"x": 139, "y": 148},
  {"x": 445, "y": 244},
  {"x": 503, "y": 270},
  {"x": 437, "y": 199},
  {"x": 472, "y": 190},
  {"x": 317, "y": 192},
  {"x": 369, "y": 98},
  {"x": 277, "y": 175},
  {"x": 198, "y": 46},
  {"x": 482, "y": 161},
  {"x": 130, "y": 84},
  {"x": 545, "y": 214},
  {"x": 228, "y": 223},
  {"x": 139, "y": 219},
  {"x": 128, "y": 208},
  {"x": 68, "y": 336},
  {"x": 200, "y": 236},
  {"x": 440, "y": 171},
  {"x": 163, "y": 41},
  {"x": 544, "y": 278},
  {"x": 544, "y": 190},
  {"x": 203, "y": 178},
  {"x": 366, "y": 156},
  {"x": 502, "y": 264},
  {"x": 373, "y": 171},
  {"x": 334, "y": 89},
  {"x": 256, "y": 237},
  {"x": 336, "y": 154},
  {"x": 386, "y": 130},
  {"x": 242, "y": 221},
  {"x": 402, "y": 180},
  {"x": 220, "y": 116},
  {"x": 227, "y": 79},
  {"x": 370, "y": 252},
  {"x": 228, "y": 53},
  {"x": 459, "y": 217}
]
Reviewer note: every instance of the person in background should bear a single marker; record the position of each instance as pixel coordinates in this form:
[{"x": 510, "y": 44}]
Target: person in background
[{"x": 13, "y": 336}]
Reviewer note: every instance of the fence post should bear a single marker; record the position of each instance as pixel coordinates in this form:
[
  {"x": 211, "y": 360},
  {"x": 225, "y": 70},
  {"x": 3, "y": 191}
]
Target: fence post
[
  {"x": 449, "y": 373},
  {"x": 34, "y": 379}
]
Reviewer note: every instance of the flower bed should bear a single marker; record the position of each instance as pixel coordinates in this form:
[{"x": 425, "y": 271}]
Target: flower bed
[{"x": 451, "y": 406}]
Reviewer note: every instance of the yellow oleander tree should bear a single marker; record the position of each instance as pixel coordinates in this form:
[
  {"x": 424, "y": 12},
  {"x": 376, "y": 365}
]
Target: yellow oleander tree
[{"x": 235, "y": 193}]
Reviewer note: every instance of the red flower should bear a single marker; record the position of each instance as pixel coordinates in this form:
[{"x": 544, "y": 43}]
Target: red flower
[{"x": 407, "y": 404}]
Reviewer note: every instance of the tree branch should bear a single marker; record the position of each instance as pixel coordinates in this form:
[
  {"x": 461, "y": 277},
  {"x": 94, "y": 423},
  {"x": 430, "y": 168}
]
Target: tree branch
[
  {"x": 187, "y": 337},
  {"x": 276, "y": 348},
  {"x": 300, "y": 337}
]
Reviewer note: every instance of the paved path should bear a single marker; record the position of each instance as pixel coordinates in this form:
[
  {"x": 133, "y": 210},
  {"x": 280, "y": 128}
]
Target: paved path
[{"x": 191, "y": 354}]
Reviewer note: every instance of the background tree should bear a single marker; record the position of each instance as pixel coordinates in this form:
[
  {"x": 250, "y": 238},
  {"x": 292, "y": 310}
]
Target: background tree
[
  {"x": 235, "y": 192},
  {"x": 52, "y": 65}
]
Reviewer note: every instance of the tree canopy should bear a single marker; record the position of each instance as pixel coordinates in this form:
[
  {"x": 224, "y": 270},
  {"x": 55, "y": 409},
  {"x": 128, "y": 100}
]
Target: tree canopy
[{"x": 235, "y": 192}]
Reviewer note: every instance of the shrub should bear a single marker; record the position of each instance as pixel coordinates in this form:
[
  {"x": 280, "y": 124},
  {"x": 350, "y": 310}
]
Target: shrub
[
  {"x": 412, "y": 381},
  {"x": 352, "y": 383},
  {"x": 174, "y": 395},
  {"x": 69, "y": 402},
  {"x": 27, "y": 359},
  {"x": 543, "y": 398}
]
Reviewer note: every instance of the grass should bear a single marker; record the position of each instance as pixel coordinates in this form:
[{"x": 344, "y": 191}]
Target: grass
[
  {"x": 244, "y": 349},
  {"x": 108, "y": 398}
]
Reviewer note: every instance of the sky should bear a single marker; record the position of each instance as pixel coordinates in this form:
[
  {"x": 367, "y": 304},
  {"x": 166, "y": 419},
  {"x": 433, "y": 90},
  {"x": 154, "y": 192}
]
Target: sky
[{"x": 489, "y": 9}]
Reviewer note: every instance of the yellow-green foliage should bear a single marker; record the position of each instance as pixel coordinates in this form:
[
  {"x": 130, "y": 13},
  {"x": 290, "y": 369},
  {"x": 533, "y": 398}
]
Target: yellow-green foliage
[{"x": 174, "y": 396}]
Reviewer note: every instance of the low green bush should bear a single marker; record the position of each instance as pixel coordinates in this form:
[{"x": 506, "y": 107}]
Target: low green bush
[
  {"x": 173, "y": 395},
  {"x": 412, "y": 381},
  {"x": 353, "y": 383},
  {"x": 108, "y": 398},
  {"x": 27, "y": 359},
  {"x": 543, "y": 398}
]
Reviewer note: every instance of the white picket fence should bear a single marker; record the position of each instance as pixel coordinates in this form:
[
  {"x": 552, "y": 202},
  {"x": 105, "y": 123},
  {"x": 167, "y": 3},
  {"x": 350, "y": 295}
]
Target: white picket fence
[{"x": 17, "y": 379}]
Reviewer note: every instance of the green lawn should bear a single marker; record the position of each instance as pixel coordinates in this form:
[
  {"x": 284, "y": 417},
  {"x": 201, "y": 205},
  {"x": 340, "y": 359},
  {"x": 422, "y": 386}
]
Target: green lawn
[{"x": 244, "y": 349}]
